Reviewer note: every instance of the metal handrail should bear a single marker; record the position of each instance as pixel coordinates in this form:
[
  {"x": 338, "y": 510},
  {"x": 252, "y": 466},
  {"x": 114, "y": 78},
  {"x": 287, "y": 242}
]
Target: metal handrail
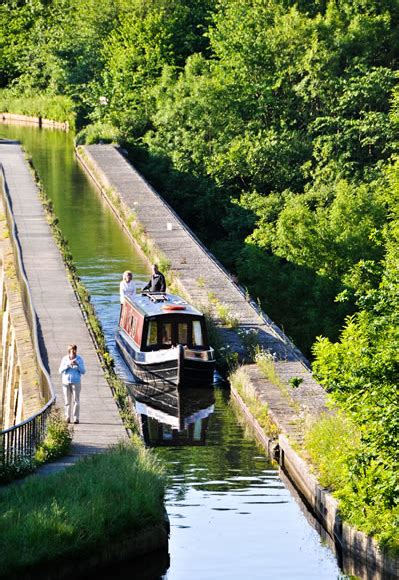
[{"x": 20, "y": 441}]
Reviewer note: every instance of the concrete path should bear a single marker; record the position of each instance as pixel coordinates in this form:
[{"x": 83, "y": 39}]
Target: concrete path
[
  {"x": 59, "y": 316},
  {"x": 193, "y": 262}
]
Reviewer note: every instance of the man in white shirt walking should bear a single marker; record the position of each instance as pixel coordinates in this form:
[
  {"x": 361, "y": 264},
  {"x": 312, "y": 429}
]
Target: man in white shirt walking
[{"x": 71, "y": 369}]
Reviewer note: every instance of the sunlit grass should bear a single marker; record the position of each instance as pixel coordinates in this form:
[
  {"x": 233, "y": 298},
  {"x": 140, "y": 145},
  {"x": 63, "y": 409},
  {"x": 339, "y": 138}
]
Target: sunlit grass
[
  {"x": 56, "y": 108},
  {"x": 88, "y": 505},
  {"x": 242, "y": 383},
  {"x": 327, "y": 441}
]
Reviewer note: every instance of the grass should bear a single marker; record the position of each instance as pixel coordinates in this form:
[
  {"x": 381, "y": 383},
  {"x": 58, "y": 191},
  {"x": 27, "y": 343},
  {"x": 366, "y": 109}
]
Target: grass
[
  {"x": 222, "y": 311},
  {"x": 80, "y": 510},
  {"x": 57, "y": 441},
  {"x": 225, "y": 315},
  {"x": 267, "y": 365},
  {"x": 250, "y": 340},
  {"x": 326, "y": 442},
  {"x": 53, "y": 107},
  {"x": 242, "y": 383}
]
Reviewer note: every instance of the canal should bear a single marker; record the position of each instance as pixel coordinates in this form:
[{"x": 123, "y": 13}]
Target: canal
[{"x": 231, "y": 515}]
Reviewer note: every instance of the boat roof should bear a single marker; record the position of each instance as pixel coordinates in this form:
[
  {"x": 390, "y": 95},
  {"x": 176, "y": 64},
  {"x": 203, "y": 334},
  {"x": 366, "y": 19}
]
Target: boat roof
[{"x": 153, "y": 303}]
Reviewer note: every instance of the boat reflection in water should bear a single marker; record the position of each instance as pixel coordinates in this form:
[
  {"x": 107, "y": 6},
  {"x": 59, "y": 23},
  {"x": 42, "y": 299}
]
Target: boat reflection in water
[{"x": 173, "y": 416}]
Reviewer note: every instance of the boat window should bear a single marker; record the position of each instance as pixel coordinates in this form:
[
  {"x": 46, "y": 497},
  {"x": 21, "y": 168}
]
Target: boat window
[
  {"x": 197, "y": 334},
  {"x": 152, "y": 334},
  {"x": 166, "y": 333},
  {"x": 182, "y": 332}
]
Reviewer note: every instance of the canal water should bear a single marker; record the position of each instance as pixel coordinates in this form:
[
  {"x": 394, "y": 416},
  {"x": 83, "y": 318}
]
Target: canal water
[{"x": 231, "y": 516}]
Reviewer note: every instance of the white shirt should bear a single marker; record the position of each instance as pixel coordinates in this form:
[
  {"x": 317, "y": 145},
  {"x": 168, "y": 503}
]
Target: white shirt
[{"x": 127, "y": 289}]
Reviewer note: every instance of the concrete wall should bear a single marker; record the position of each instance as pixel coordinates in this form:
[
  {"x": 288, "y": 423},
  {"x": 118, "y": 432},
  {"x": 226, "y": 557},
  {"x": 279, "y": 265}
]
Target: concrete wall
[
  {"x": 25, "y": 120},
  {"x": 20, "y": 396}
]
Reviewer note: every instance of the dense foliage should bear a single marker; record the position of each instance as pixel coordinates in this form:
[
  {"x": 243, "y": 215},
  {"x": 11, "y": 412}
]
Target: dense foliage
[{"x": 272, "y": 126}]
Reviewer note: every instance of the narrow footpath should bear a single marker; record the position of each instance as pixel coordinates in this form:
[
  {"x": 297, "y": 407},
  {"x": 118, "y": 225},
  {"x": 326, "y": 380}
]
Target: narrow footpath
[
  {"x": 60, "y": 320},
  {"x": 192, "y": 262}
]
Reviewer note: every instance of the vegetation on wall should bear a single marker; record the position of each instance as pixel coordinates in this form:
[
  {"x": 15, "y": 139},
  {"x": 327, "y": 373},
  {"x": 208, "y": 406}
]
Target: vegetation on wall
[{"x": 272, "y": 128}]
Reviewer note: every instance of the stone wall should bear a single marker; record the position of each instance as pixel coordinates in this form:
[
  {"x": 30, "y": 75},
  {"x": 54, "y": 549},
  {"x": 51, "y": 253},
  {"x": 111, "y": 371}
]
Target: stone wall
[
  {"x": 26, "y": 120},
  {"x": 20, "y": 395}
]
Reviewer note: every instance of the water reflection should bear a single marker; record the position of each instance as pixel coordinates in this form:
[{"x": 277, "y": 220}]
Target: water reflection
[
  {"x": 231, "y": 516},
  {"x": 173, "y": 416}
]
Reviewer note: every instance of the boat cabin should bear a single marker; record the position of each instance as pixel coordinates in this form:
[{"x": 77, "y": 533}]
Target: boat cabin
[{"x": 156, "y": 321}]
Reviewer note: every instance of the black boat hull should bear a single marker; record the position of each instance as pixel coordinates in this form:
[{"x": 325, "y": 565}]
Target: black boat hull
[{"x": 179, "y": 371}]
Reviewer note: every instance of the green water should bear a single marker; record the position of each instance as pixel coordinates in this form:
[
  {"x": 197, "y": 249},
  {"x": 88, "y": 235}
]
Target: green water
[{"x": 231, "y": 516}]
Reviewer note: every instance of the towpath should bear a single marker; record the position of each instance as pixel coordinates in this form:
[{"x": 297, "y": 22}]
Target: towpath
[
  {"x": 202, "y": 276},
  {"x": 60, "y": 320}
]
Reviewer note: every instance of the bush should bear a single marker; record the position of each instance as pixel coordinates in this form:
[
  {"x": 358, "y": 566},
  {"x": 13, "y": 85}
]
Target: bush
[
  {"x": 98, "y": 133},
  {"x": 19, "y": 468},
  {"x": 57, "y": 441},
  {"x": 329, "y": 440}
]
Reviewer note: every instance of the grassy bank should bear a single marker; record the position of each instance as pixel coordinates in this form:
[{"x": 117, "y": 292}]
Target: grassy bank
[
  {"x": 56, "y": 108},
  {"x": 332, "y": 446},
  {"x": 81, "y": 510}
]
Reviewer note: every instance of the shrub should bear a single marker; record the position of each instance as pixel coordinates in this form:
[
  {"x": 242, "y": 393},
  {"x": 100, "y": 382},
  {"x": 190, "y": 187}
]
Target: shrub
[
  {"x": 98, "y": 133},
  {"x": 18, "y": 468},
  {"x": 57, "y": 441},
  {"x": 328, "y": 441}
]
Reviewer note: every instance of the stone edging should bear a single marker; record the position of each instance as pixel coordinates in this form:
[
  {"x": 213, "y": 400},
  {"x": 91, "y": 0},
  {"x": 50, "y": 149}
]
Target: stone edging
[{"x": 26, "y": 120}]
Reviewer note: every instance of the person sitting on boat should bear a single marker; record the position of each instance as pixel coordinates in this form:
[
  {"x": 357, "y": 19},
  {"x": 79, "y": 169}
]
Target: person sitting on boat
[
  {"x": 127, "y": 287},
  {"x": 157, "y": 281}
]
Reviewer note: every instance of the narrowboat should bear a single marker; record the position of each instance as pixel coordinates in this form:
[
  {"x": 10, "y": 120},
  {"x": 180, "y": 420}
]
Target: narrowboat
[{"x": 163, "y": 339}]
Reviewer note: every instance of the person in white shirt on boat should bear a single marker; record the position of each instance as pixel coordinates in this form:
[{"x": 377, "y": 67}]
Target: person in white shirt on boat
[{"x": 127, "y": 287}]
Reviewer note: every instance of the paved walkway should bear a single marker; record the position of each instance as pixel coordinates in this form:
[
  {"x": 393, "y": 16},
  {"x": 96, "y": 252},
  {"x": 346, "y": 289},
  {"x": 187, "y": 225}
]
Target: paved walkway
[
  {"x": 193, "y": 262},
  {"x": 59, "y": 316}
]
